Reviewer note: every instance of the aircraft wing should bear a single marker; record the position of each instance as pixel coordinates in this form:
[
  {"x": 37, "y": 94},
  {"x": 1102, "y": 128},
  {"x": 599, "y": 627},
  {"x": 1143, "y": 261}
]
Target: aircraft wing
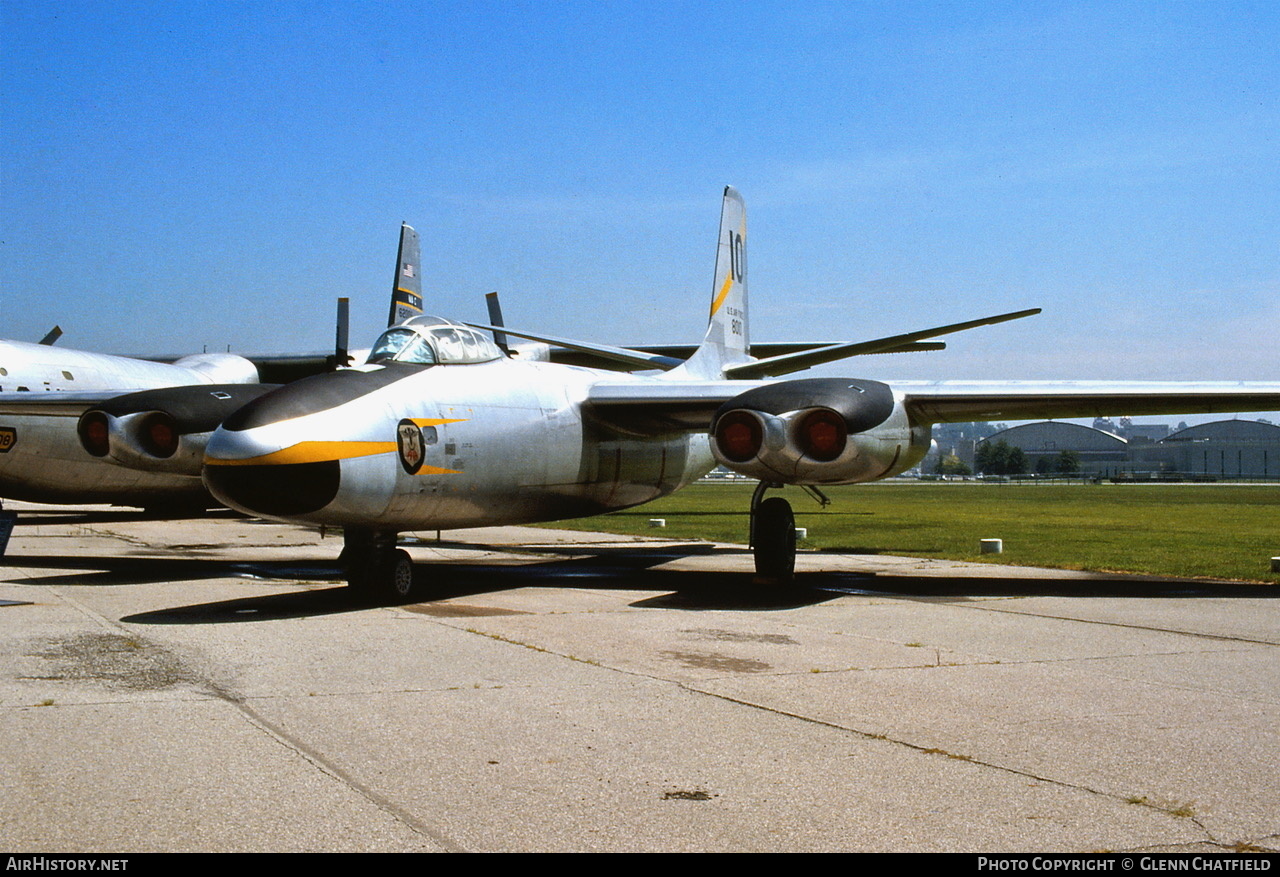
[
  {"x": 54, "y": 404},
  {"x": 649, "y": 407},
  {"x": 282, "y": 368},
  {"x": 287, "y": 368},
  {"x": 633, "y": 358},
  {"x": 953, "y": 401}
]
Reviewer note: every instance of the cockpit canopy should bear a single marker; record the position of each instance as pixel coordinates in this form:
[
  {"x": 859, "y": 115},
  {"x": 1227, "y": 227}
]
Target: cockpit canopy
[{"x": 428, "y": 340}]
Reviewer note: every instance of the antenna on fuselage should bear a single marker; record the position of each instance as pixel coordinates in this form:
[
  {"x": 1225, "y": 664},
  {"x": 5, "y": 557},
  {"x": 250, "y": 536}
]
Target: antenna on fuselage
[{"x": 53, "y": 335}]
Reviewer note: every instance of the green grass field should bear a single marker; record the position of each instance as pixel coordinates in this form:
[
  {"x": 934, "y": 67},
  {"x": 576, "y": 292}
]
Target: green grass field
[{"x": 1218, "y": 531}]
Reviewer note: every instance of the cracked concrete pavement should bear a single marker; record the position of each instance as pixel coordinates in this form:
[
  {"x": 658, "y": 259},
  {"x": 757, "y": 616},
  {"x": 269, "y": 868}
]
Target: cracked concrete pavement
[{"x": 209, "y": 685}]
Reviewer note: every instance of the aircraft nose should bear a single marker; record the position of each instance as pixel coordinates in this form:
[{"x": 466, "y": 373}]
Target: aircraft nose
[
  {"x": 281, "y": 454},
  {"x": 241, "y": 476}
]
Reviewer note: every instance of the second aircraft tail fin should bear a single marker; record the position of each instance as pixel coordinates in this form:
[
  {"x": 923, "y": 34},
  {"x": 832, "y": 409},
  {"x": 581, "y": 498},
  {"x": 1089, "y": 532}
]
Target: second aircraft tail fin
[{"x": 406, "y": 289}]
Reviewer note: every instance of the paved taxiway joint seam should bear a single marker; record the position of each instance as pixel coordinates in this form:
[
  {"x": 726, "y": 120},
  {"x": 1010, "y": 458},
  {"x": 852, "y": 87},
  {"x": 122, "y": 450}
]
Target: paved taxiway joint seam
[
  {"x": 293, "y": 745},
  {"x": 104, "y": 623},
  {"x": 1208, "y": 836},
  {"x": 1126, "y": 626},
  {"x": 318, "y": 761},
  {"x": 1114, "y": 675},
  {"x": 121, "y": 537}
]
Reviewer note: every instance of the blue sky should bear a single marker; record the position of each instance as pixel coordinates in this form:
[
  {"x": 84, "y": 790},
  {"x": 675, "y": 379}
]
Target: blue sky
[{"x": 176, "y": 175}]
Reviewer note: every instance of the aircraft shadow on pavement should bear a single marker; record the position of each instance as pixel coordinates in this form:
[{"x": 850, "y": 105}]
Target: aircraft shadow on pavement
[
  {"x": 639, "y": 568},
  {"x": 603, "y": 569},
  {"x": 68, "y": 517},
  {"x": 963, "y": 588},
  {"x": 87, "y": 571}
]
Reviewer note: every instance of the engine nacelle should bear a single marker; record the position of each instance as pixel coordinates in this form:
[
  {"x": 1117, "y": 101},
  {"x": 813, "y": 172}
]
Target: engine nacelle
[
  {"x": 224, "y": 368},
  {"x": 162, "y": 430},
  {"x": 817, "y": 431}
]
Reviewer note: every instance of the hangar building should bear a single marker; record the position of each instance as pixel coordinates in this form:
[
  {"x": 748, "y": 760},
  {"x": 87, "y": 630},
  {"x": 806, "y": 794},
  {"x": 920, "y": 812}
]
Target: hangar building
[
  {"x": 1222, "y": 449},
  {"x": 1228, "y": 448}
]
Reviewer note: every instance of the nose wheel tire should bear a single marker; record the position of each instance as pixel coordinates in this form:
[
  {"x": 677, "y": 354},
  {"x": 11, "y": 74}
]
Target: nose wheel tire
[
  {"x": 376, "y": 569},
  {"x": 394, "y": 578},
  {"x": 774, "y": 540}
]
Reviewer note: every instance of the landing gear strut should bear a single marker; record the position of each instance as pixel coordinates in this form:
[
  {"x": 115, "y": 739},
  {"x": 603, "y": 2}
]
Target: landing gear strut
[
  {"x": 773, "y": 535},
  {"x": 773, "y": 532},
  {"x": 375, "y": 567}
]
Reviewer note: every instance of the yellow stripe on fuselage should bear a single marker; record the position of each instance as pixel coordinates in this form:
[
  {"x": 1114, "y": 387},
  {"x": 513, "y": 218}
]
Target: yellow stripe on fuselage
[
  {"x": 436, "y": 421},
  {"x": 323, "y": 452},
  {"x": 310, "y": 452}
]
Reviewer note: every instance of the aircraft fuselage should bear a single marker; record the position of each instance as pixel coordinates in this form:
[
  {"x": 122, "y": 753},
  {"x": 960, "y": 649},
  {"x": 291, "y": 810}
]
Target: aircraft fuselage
[{"x": 410, "y": 448}]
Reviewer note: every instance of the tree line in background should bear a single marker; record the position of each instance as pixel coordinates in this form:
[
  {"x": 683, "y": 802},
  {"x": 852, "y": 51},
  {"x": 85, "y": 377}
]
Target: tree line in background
[{"x": 1001, "y": 458}]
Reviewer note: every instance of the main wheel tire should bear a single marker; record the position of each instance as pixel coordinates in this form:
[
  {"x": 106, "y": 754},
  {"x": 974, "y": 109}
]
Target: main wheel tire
[
  {"x": 381, "y": 576},
  {"x": 775, "y": 540},
  {"x": 393, "y": 575}
]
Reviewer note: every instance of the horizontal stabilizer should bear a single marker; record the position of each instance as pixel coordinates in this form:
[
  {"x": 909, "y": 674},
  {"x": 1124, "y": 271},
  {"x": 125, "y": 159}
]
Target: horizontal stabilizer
[
  {"x": 680, "y": 352},
  {"x": 793, "y": 362},
  {"x": 636, "y": 358}
]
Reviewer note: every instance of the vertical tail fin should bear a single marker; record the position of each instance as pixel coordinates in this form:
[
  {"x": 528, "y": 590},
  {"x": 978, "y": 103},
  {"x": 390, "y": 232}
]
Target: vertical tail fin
[
  {"x": 727, "y": 340},
  {"x": 406, "y": 289}
]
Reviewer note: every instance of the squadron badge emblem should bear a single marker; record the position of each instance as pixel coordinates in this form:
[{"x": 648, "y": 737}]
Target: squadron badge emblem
[{"x": 409, "y": 442}]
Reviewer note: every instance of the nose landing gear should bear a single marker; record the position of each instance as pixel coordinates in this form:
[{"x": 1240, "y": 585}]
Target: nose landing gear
[{"x": 375, "y": 568}]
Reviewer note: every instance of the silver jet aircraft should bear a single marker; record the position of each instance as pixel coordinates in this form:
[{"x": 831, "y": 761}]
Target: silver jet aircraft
[
  {"x": 81, "y": 427},
  {"x": 443, "y": 429},
  {"x": 50, "y": 453}
]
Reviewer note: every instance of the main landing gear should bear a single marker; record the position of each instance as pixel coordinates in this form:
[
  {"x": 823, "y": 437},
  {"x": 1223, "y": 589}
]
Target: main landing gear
[
  {"x": 375, "y": 568},
  {"x": 773, "y": 532}
]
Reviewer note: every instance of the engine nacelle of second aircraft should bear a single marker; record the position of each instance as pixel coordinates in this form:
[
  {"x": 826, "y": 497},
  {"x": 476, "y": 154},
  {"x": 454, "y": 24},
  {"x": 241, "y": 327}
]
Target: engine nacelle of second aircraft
[
  {"x": 817, "y": 431},
  {"x": 222, "y": 368},
  {"x": 162, "y": 430}
]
